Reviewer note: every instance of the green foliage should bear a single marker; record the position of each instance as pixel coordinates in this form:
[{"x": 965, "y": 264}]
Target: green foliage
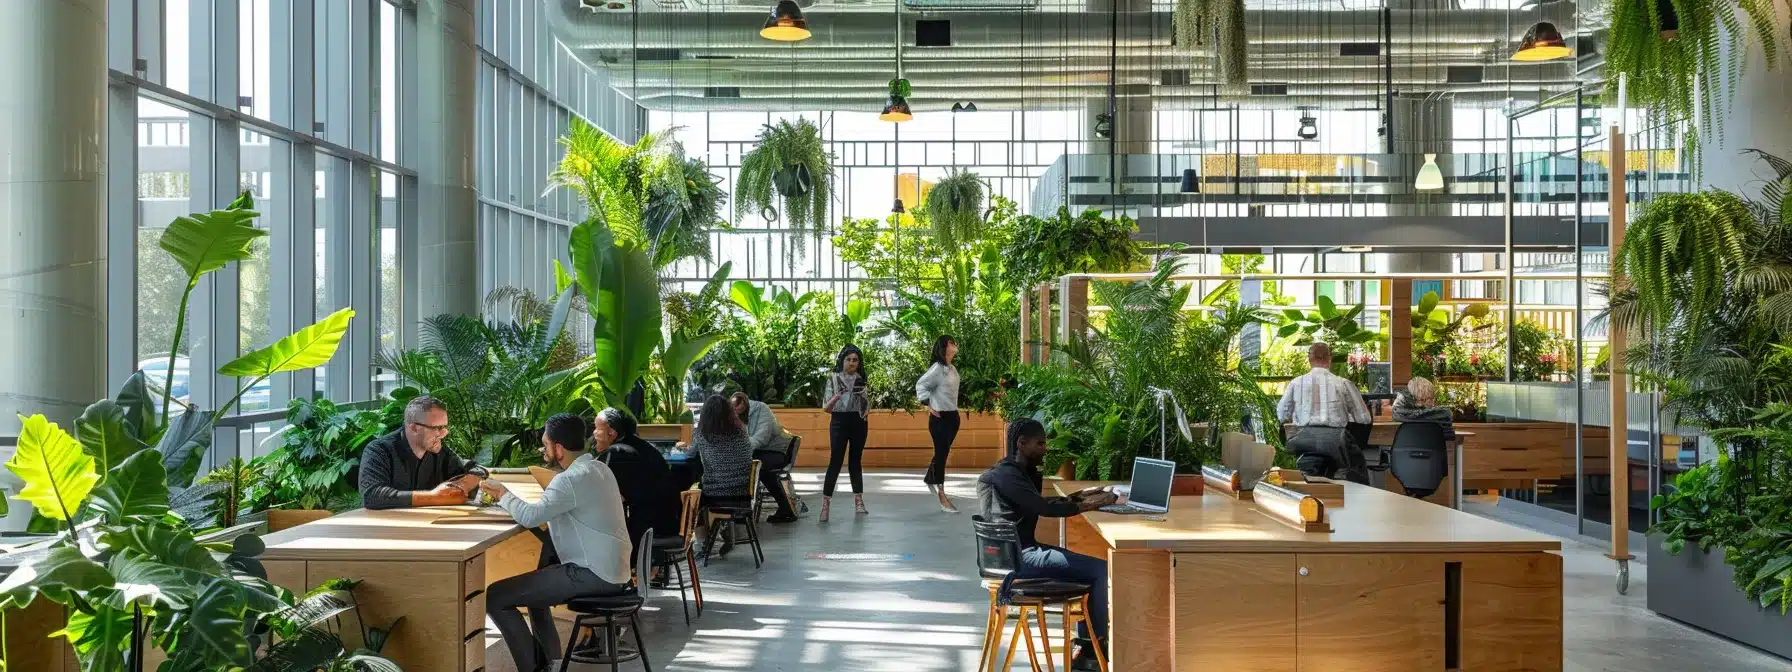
[
  {"x": 683, "y": 346},
  {"x": 647, "y": 195},
  {"x": 201, "y": 243},
  {"x": 1675, "y": 77},
  {"x": 1216, "y": 28},
  {"x": 679, "y": 214},
  {"x": 57, "y": 475},
  {"x": 955, "y": 207},
  {"x": 788, "y": 161},
  {"x": 1337, "y": 328},
  {"x": 777, "y": 344},
  {"x": 322, "y": 444},
  {"x": 307, "y": 348},
  {"x": 1042, "y": 249},
  {"x": 1680, "y": 254},
  {"x": 620, "y": 286}
]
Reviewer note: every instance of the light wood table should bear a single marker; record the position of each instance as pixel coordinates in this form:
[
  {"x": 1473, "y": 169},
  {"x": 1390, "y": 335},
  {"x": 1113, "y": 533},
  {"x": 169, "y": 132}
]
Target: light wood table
[
  {"x": 433, "y": 575},
  {"x": 1399, "y": 584}
]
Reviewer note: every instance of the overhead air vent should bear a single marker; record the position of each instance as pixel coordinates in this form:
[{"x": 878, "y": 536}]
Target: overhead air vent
[
  {"x": 721, "y": 92},
  {"x": 1173, "y": 78},
  {"x": 1269, "y": 89},
  {"x": 970, "y": 5},
  {"x": 933, "y": 33},
  {"x": 1463, "y": 74},
  {"x": 657, "y": 54},
  {"x": 1359, "y": 49}
]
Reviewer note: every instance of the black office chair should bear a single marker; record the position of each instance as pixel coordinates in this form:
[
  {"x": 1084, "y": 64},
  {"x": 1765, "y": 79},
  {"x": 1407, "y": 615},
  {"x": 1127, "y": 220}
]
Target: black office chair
[
  {"x": 607, "y": 613},
  {"x": 998, "y": 552},
  {"x": 1419, "y": 457}
]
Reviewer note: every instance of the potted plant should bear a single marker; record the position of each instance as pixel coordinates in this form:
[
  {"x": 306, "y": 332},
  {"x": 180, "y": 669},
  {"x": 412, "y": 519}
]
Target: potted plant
[
  {"x": 790, "y": 161},
  {"x": 955, "y": 207},
  {"x": 1215, "y": 26}
]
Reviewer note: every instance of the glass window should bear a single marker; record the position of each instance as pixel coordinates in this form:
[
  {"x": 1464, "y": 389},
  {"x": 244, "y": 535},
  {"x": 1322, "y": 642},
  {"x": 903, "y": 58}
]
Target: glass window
[
  {"x": 164, "y": 192},
  {"x": 177, "y": 73},
  {"x": 333, "y": 202},
  {"x": 390, "y": 302},
  {"x": 267, "y": 175},
  {"x": 388, "y": 49},
  {"x": 255, "y": 82}
]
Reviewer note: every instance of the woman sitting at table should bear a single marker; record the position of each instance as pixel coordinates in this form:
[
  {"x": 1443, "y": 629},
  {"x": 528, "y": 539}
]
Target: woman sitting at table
[
  {"x": 1419, "y": 404},
  {"x": 642, "y": 473},
  {"x": 725, "y": 455}
]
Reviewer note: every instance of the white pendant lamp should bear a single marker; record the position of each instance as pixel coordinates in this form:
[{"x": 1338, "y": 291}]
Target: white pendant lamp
[{"x": 1431, "y": 178}]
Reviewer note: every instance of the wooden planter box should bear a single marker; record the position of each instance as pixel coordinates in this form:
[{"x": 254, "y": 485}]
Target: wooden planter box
[
  {"x": 1695, "y": 588},
  {"x": 280, "y": 519},
  {"x": 899, "y": 439}
]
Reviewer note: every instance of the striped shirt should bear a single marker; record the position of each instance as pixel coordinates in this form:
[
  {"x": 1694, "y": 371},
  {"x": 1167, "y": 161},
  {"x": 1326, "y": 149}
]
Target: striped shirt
[{"x": 1320, "y": 399}]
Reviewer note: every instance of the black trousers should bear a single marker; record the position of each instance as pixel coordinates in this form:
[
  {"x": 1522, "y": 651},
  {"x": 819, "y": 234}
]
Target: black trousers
[
  {"x": 770, "y": 463},
  {"x": 1328, "y": 452},
  {"x": 944, "y": 430},
  {"x": 846, "y": 443}
]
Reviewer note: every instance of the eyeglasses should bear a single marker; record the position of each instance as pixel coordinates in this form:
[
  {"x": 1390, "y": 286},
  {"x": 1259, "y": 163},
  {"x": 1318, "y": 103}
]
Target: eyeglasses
[{"x": 433, "y": 428}]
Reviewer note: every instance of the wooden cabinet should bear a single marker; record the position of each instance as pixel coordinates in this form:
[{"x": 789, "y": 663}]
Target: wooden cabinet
[
  {"x": 1370, "y": 613},
  {"x": 1243, "y": 607}
]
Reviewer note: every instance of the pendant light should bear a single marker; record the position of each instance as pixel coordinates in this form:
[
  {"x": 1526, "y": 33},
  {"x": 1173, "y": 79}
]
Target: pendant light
[
  {"x": 786, "y": 23},
  {"x": 897, "y": 209},
  {"x": 897, "y": 109},
  {"x": 1309, "y": 127},
  {"x": 1542, "y": 43},
  {"x": 1191, "y": 181},
  {"x": 1431, "y": 178}
]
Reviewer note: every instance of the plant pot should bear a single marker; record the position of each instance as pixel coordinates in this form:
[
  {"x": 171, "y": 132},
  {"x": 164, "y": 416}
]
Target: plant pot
[
  {"x": 793, "y": 181},
  {"x": 1696, "y": 588},
  {"x": 1188, "y": 485},
  {"x": 280, "y": 519},
  {"x": 1067, "y": 470}
]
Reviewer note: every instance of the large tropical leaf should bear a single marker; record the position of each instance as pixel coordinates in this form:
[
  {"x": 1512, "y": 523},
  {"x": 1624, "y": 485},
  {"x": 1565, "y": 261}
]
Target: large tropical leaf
[
  {"x": 186, "y": 437},
  {"x": 137, "y": 487},
  {"x": 622, "y": 290},
  {"x": 58, "y": 475},
  {"x": 216, "y": 621},
  {"x": 749, "y": 297},
  {"x": 165, "y": 544},
  {"x": 305, "y": 650},
  {"x": 310, "y": 347},
  {"x": 99, "y": 638},
  {"x": 60, "y": 570},
  {"x": 205, "y": 242},
  {"x": 106, "y": 435},
  {"x": 139, "y": 407},
  {"x": 681, "y": 353},
  {"x": 144, "y": 581}
]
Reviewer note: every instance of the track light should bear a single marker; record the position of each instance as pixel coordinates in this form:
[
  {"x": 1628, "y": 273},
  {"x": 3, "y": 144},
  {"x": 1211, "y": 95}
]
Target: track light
[
  {"x": 1356, "y": 249},
  {"x": 1542, "y": 43},
  {"x": 786, "y": 23},
  {"x": 897, "y": 209},
  {"x": 1309, "y": 127},
  {"x": 1431, "y": 178},
  {"x": 1191, "y": 181}
]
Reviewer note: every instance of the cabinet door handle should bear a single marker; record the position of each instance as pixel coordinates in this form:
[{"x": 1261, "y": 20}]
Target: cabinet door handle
[{"x": 1303, "y": 571}]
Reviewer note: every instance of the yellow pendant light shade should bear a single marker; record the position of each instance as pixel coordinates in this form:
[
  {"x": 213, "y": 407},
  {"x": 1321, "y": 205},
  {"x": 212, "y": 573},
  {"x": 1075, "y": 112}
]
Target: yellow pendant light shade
[
  {"x": 1542, "y": 43},
  {"x": 1431, "y": 178},
  {"x": 786, "y": 24},
  {"x": 897, "y": 110}
]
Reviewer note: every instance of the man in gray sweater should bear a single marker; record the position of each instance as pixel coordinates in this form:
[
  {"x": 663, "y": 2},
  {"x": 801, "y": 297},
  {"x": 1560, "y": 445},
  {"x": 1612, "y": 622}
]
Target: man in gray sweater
[{"x": 770, "y": 446}]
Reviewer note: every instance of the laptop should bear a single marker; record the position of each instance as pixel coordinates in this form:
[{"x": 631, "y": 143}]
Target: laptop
[{"x": 1150, "y": 490}]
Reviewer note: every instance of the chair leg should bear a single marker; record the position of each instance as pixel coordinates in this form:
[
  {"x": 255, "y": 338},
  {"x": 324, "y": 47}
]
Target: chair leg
[
  {"x": 610, "y": 639},
  {"x": 1069, "y": 643},
  {"x": 992, "y": 632},
  {"x": 681, "y": 591},
  {"x": 1026, "y": 629},
  {"x": 1045, "y": 643},
  {"x": 709, "y": 541},
  {"x": 572, "y": 640},
  {"x": 1101, "y": 658},
  {"x": 753, "y": 532},
  {"x": 690, "y": 561},
  {"x": 634, "y": 620},
  {"x": 1014, "y": 640}
]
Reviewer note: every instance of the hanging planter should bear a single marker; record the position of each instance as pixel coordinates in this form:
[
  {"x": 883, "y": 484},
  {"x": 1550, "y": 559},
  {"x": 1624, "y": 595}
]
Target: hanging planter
[
  {"x": 955, "y": 208},
  {"x": 1216, "y": 25},
  {"x": 789, "y": 167},
  {"x": 1682, "y": 57}
]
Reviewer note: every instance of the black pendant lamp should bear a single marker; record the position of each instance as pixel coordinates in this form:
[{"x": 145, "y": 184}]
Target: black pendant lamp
[
  {"x": 786, "y": 24},
  {"x": 1191, "y": 181},
  {"x": 1542, "y": 43},
  {"x": 1309, "y": 127},
  {"x": 897, "y": 209}
]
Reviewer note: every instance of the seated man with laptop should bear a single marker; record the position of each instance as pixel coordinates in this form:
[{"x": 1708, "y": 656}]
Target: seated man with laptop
[{"x": 1011, "y": 490}]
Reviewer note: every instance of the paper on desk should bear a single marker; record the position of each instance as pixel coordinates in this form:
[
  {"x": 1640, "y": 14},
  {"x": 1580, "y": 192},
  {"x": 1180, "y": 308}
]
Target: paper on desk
[{"x": 472, "y": 517}]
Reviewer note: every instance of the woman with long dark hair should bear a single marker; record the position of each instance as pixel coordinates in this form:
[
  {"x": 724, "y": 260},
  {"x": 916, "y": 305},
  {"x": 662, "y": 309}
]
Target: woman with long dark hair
[
  {"x": 722, "y": 449},
  {"x": 938, "y": 389},
  {"x": 849, "y": 405}
]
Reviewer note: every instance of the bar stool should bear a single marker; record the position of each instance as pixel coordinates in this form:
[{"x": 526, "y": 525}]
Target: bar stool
[
  {"x": 607, "y": 613},
  {"x": 998, "y": 553}
]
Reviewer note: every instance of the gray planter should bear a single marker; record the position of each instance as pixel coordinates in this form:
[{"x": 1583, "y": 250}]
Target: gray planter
[{"x": 1695, "y": 588}]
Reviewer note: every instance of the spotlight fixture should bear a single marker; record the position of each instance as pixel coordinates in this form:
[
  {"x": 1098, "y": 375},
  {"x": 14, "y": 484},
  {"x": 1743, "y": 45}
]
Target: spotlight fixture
[
  {"x": 786, "y": 23},
  {"x": 1355, "y": 248},
  {"x": 958, "y": 107},
  {"x": 1191, "y": 181},
  {"x": 1542, "y": 43},
  {"x": 964, "y": 107},
  {"x": 897, "y": 110},
  {"x": 1431, "y": 178},
  {"x": 897, "y": 209},
  {"x": 1309, "y": 127},
  {"x": 1104, "y": 126}
]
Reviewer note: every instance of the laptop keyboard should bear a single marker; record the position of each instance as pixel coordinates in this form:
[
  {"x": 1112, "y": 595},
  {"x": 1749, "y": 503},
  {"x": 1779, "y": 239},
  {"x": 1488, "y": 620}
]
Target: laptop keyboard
[{"x": 1121, "y": 508}]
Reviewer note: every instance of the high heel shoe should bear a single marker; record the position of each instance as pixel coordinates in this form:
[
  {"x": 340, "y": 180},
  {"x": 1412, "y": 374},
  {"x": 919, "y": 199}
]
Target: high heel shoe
[
  {"x": 858, "y": 505},
  {"x": 945, "y": 502},
  {"x": 825, "y": 501}
]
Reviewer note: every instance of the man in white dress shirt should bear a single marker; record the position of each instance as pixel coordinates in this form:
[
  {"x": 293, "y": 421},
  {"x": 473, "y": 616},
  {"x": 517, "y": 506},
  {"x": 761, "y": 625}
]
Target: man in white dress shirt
[
  {"x": 1322, "y": 405},
  {"x": 582, "y": 508}
]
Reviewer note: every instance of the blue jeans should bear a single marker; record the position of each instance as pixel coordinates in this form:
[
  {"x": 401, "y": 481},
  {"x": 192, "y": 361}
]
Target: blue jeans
[{"x": 1051, "y": 562}]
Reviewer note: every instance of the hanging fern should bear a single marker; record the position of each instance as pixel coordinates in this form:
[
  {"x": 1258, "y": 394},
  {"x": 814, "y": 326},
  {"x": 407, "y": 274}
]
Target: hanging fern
[
  {"x": 789, "y": 163},
  {"x": 1218, "y": 25},
  {"x": 1679, "y": 255},
  {"x": 955, "y": 207},
  {"x": 1661, "y": 72}
]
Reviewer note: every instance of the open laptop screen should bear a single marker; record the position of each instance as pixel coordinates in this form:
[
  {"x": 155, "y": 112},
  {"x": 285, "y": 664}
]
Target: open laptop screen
[{"x": 1151, "y": 483}]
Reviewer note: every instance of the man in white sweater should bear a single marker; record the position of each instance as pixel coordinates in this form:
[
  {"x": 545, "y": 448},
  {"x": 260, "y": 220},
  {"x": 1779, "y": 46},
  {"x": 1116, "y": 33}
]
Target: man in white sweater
[{"x": 582, "y": 508}]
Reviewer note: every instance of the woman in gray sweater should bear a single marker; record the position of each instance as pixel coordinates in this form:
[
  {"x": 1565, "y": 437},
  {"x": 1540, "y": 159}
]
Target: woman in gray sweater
[{"x": 938, "y": 389}]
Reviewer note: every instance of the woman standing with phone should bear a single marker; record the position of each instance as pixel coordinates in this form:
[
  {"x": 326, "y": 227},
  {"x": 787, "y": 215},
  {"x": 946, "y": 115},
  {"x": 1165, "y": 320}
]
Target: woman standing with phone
[
  {"x": 938, "y": 389},
  {"x": 848, "y": 403}
]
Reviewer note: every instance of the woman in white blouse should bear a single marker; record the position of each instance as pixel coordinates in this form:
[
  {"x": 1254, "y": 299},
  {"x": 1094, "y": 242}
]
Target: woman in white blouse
[
  {"x": 938, "y": 389},
  {"x": 847, "y": 404}
]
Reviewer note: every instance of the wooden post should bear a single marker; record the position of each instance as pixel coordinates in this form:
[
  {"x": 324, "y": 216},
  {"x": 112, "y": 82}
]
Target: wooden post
[
  {"x": 1620, "y": 420},
  {"x": 1400, "y": 332},
  {"x": 1026, "y": 313},
  {"x": 1045, "y": 323},
  {"x": 1074, "y": 302}
]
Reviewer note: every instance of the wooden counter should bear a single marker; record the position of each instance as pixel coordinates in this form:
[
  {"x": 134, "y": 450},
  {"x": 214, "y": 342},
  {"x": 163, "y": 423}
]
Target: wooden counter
[
  {"x": 1400, "y": 584},
  {"x": 413, "y": 568}
]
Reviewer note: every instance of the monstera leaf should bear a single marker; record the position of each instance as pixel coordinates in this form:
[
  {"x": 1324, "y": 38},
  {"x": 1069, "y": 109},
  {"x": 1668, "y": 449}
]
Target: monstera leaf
[
  {"x": 57, "y": 475},
  {"x": 99, "y": 638},
  {"x": 106, "y": 434},
  {"x": 216, "y": 620},
  {"x": 137, "y": 487},
  {"x": 306, "y": 348},
  {"x": 187, "y": 437},
  {"x": 205, "y": 242},
  {"x": 62, "y": 569},
  {"x": 139, "y": 408},
  {"x": 622, "y": 293}
]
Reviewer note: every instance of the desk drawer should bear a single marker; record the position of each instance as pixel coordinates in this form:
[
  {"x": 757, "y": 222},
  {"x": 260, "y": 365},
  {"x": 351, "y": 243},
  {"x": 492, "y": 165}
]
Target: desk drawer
[
  {"x": 473, "y": 614},
  {"x": 1509, "y": 462},
  {"x": 473, "y": 652},
  {"x": 473, "y": 576}
]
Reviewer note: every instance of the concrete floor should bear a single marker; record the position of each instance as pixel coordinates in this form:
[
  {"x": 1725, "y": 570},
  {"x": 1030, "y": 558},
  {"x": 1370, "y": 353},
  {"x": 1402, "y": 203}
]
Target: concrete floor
[{"x": 917, "y": 604}]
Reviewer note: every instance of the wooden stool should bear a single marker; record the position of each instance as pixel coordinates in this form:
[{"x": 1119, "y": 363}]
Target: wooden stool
[{"x": 1031, "y": 598}]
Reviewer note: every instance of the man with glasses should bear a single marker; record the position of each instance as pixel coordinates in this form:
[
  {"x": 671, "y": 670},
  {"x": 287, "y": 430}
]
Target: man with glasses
[{"x": 409, "y": 468}]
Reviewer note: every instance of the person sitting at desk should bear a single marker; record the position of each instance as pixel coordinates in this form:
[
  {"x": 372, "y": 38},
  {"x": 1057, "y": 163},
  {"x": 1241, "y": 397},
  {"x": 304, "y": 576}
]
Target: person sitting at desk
[
  {"x": 409, "y": 468},
  {"x": 1011, "y": 490},
  {"x": 725, "y": 456},
  {"x": 582, "y": 507},
  {"x": 1322, "y": 405},
  {"x": 770, "y": 446},
  {"x": 641, "y": 473},
  {"x": 1419, "y": 404}
]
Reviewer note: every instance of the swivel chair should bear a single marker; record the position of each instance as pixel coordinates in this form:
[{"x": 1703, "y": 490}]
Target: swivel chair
[{"x": 1419, "y": 457}]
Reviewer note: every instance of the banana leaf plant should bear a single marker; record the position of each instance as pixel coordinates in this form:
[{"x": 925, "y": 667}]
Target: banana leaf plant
[
  {"x": 680, "y": 350},
  {"x": 858, "y": 311},
  {"x": 1339, "y": 328},
  {"x": 621, "y": 290},
  {"x": 1433, "y": 328}
]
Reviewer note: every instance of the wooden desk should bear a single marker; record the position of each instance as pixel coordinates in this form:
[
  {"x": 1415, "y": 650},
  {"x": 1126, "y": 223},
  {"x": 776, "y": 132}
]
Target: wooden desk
[
  {"x": 1398, "y": 585},
  {"x": 434, "y": 576}
]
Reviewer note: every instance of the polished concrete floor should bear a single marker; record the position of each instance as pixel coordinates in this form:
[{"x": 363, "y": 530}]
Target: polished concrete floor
[{"x": 896, "y": 590}]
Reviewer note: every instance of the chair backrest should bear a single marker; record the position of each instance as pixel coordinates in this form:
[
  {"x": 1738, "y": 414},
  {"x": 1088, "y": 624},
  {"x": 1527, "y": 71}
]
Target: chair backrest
[
  {"x": 753, "y": 482},
  {"x": 796, "y": 442},
  {"x": 691, "y": 503},
  {"x": 1420, "y": 457},
  {"x": 998, "y": 546},
  {"x": 644, "y": 562}
]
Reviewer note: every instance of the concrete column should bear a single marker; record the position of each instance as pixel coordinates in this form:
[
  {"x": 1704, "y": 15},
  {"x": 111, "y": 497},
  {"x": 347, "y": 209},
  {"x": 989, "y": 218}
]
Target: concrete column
[
  {"x": 444, "y": 151},
  {"x": 1754, "y": 119},
  {"x": 52, "y": 209}
]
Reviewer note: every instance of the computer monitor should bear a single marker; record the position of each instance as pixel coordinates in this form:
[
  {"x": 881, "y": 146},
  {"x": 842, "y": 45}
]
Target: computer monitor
[{"x": 1151, "y": 480}]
